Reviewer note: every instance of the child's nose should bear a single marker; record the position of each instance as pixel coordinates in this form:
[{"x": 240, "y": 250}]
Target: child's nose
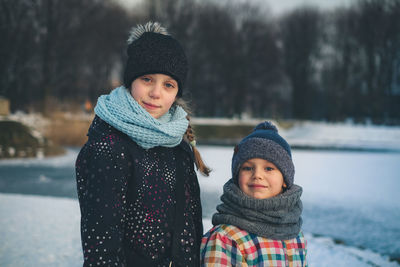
[
  {"x": 155, "y": 91},
  {"x": 257, "y": 174}
]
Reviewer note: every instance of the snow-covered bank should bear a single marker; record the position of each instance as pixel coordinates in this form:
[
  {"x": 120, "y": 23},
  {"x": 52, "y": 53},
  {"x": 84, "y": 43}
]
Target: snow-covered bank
[
  {"x": 343, "y": 136},
  {"x": 44, "y": 231},
  {"x": 300, "y": 134},
  {"x": 64, "y": 160},
  {"x": 312, "y": 134}
]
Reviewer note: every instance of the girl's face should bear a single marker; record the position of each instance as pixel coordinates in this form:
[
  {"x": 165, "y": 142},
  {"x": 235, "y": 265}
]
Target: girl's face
[
  {"x": 155, "y": 93},
  {"x": 259, "y": 178}
]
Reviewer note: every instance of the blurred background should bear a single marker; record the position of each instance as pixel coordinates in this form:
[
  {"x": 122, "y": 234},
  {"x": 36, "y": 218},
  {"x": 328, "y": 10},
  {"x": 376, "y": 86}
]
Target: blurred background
[
  {"x": 320, "y": 61},
  {"x": 327, "y": 73}
]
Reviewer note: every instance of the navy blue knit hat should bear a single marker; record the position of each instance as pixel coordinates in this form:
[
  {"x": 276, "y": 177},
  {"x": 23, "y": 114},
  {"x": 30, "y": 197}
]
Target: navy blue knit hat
[
  {"x": 265, "y": 143},
  {"x": 152, "y": 50}
]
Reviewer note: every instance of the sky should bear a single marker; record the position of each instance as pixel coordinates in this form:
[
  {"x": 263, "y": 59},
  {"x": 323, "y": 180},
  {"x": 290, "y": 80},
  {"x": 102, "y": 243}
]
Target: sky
[
  {"x": 280, "y": 6},
  {"x": 277, "y": 6}
]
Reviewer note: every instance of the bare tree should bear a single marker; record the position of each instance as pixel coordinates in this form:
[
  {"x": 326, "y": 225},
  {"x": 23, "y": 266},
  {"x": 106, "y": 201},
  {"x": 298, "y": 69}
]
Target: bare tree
[
  {"x": 59, "y": 49},
  {"x": 17, "y": 66},
  {"x": 259, "y": 70},
  {"x": 378, "y": 34},
  {"x": 301, "y": 37},
  {"x": 361, "y": 80}
]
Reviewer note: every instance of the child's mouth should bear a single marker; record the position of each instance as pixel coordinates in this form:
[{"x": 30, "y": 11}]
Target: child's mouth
[
  {"x": 258, "y": 186},
  {"x": 150, "y": 106}
]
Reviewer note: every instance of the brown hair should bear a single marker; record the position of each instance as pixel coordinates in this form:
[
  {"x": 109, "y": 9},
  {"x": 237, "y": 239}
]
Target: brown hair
[{"x": 190, "y": 137}]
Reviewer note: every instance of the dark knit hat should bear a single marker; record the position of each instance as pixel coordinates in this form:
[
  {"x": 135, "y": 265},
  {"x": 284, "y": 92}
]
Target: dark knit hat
[
  {"x": 265, "y": 143},
  {"x": 152, "y": 50}
]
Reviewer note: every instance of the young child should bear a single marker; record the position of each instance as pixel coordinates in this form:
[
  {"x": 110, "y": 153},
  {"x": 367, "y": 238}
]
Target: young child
[
  {"x": 138, "y": 191},
  {"x": 258, "y": 222}
]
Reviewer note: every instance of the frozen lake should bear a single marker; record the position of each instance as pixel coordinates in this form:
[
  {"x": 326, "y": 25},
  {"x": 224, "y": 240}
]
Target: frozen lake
[{"x": 350, "y": 198}]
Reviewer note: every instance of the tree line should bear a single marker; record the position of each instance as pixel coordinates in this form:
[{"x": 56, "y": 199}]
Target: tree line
[{"x": 304, "y": 64}]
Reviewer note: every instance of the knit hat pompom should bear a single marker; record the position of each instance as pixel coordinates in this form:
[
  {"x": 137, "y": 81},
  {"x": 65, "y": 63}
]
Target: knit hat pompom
[
  {"x": 152, "y": 50},
  {"x": 266, "y": 125},
  {"x": 139, "y": 30},
  {"x": 265, "y": 143}
]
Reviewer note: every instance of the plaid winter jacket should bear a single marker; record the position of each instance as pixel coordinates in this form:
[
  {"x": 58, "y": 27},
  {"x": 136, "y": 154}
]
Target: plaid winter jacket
[{"x": 228, "y": 245}]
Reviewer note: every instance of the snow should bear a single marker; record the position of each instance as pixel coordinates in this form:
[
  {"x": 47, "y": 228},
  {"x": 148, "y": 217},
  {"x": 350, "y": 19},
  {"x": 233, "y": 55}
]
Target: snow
[
  {"x": 39, "y": 231},
  {"x": 310, "y": 134},
  {"x": 225, "y": 121},
  {"x": 352, "y": 197},
  {"x": 351, "y": 201},
  {"x": 44, "y": 231},
  {"x": 343, "y": 135},
  {"x": 59, "y": 161}
]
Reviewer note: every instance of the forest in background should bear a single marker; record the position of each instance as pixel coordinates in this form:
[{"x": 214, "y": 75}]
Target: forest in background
[{"x": 244, "y": 62}]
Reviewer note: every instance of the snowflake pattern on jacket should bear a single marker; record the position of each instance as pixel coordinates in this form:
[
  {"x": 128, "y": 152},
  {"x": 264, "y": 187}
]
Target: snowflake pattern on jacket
[{"x": 127, "y": 200}]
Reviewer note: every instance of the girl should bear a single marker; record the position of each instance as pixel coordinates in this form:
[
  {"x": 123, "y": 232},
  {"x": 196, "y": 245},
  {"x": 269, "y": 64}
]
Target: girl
[
  {"x": 258, "y": 222},
  {"x": 138, "y": 191}
]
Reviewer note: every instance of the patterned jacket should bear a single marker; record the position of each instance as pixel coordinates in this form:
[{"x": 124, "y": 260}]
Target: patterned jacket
[
  {"x": 228, "y": 245},
  {"x": 128, "y": 197}
]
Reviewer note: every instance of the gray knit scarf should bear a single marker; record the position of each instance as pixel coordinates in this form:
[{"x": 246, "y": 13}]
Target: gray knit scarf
[{"x": 278, "y": 217}]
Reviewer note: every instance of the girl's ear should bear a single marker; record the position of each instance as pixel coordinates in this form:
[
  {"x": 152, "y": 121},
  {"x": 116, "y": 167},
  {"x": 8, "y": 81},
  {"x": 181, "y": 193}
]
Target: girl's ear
[{"x": 284, "y": 185}]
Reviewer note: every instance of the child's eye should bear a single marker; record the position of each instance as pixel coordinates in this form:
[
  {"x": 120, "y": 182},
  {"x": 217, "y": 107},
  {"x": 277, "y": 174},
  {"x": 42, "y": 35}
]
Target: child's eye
[
  {"x": 146, "y": 79},
  {"x": 169, "y": 85},
  {"x": 269, "y": 168},
  {"x": 246, "y": 168}
]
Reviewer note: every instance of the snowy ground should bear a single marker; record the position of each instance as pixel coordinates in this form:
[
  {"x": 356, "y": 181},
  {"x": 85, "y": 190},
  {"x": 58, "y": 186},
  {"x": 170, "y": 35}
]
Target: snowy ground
[
  {"x": 44, "y": 231},
  {"x": 351, "y": 201}
]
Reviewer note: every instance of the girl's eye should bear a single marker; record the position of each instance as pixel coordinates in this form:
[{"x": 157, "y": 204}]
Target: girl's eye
[
  {"x": 246, "y": 168},
  {"x": 146, "y": 79},
  {"x": 169, "y": 85},
  {"x": 269, "y": 168}
]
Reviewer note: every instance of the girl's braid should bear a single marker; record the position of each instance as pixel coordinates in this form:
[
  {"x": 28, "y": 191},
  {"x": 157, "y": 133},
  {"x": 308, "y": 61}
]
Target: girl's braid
[{"x": 191, "y": 138}]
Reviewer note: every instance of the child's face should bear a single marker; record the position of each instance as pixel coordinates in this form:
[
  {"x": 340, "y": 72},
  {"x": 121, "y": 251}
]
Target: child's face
[
  {"x": 155, "y": 93},
  {"x": 259, "y": 178}
]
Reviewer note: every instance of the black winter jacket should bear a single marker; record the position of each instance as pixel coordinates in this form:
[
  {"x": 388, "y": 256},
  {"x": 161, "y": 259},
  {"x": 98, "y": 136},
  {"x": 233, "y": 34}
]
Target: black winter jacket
[{"x": 128, "y": 200}]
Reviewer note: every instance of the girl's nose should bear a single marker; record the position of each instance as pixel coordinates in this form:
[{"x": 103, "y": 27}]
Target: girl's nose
[{"x": 155, "y": 91}]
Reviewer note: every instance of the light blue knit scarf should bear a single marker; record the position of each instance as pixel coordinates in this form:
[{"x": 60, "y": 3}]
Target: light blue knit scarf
[{"x": 120, "y": 110}]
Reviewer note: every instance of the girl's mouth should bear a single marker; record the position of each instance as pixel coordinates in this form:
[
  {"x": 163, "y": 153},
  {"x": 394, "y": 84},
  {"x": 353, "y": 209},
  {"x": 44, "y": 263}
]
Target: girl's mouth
[{"x": 150, "y": 106}]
